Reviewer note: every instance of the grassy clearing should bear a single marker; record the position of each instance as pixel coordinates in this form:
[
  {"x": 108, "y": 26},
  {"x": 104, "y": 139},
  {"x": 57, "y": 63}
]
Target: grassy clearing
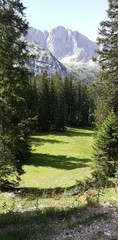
[
  {"x": 59, "y": 159},
  {"x": 48, "y": 188}
]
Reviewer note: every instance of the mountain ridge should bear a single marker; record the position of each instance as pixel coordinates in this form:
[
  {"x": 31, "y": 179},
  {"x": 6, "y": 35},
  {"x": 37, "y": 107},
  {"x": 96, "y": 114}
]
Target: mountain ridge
[
  {"x": 63, "y": 43},
  {"x": 71, "y": 49},
  {"x": 43, "y": 60}
]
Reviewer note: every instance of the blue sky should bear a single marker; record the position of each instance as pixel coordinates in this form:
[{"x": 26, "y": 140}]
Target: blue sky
[{"x": 83, "y": 16}]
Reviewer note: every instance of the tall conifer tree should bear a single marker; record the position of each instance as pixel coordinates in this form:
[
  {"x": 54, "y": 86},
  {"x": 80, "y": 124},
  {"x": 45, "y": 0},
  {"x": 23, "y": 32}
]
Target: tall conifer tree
[
  {"x": 43, "y": 102},
  {"x": 14, "y": 85},
  {"x": 68, "y": 97},
  {"x": 58, "y": 104},
  {"x": 108, "y": 62},
  {"x": 106, "y": 144}
]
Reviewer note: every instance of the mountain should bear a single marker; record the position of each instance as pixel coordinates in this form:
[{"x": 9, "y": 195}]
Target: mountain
[
  {"x": 69, "y": 47},
  {"x": 42, "y": 60},
  {"x": 66, "y": 49},
  {"x": 35, "y": 35}
]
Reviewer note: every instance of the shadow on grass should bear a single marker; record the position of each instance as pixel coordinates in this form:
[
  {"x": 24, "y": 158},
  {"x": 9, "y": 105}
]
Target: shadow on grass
[
  {"x": 41, "y": 141},
  {"x": 33, "y": 224},
  {"x": 71, "y": 132},
  {"x": 61, "y": 161},
  {"x": 68, "y": 132},
  {"x": 38, "y": 224},
  {"x": 33, "y": 193}
]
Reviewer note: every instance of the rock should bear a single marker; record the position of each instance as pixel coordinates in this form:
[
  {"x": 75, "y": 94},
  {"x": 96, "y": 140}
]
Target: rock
[
  {"x": 9, "y": 195},
  {"x": 107, "y": 233}
]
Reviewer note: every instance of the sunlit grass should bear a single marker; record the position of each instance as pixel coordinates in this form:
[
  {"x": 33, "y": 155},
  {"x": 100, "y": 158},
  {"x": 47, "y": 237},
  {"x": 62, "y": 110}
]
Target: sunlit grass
[
  {"x": 48, "y": 191},
  {"x": 59, "y": 159}
]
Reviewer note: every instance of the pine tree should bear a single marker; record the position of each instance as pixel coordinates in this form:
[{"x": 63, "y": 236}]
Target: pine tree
[
  {"x": 32, "y": 103},
  {"x": 58, "y": 103},
  {"x": 14, "y": 81},
  {"x": 106, "y": 148},
  {"x": 81, "y": 103},
  {"x": 108, "y": 62},
  {"x": 85, "y": 105},
  {"x": 52, "y": 103},
  {"x": 43, "y": 103},
  {"x": 92, "y": 86},
  {"x": 68, "y": 98}
]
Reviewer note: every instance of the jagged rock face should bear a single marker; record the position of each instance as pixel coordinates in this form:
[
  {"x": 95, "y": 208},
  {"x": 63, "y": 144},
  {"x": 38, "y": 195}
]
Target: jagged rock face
[
  {"x": 60, "y": 43},
  {"x": 42, "y": 60},
  {"x": 69, "y": 47},
  {"x": 66, "y": 43},
  {"x": 35, "y": 35}
]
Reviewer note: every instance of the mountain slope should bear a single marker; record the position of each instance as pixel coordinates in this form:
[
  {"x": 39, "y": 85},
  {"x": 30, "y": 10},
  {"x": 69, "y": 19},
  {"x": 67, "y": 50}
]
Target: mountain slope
[
  {"x": 43, "y": 60},
  {"x": 70, "y": 47}
]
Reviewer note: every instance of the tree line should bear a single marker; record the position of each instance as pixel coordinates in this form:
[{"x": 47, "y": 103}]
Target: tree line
[{"x": 60, "y": 103}]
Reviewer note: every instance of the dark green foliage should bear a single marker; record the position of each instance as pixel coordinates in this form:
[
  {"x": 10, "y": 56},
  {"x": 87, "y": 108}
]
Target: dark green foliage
[
  {"x": 69, "y": 100},
  {"x": 33, "y": 97},
  {"x": 106, "y": 145},
  {"x": 14, "y": 81},
  {"x": 92, "y": 96},
  {"x": 108, "y": 62},
  {"x": 106, "y": 148},
  {"x": 77, "y": 105},
  {"x": 82, "y": 104},
  {"x": 43, "y": 102},
  {"x": 60, "y": 103},
  {"x": 50, "y": 103}
]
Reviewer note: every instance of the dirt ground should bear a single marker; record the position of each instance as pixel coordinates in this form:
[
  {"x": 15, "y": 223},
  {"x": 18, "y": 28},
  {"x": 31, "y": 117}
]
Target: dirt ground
[{"x": 97, "y": 223}]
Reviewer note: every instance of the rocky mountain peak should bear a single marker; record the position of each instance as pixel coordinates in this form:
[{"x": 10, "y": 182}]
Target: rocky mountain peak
[
  {"x": 71, "y": 48},
  {"x": 66, "y": 45},
  {"x": 37, "y": 36}
]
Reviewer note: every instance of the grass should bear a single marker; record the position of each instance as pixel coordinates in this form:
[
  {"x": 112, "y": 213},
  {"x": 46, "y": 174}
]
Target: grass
[
  {"x": 48, "y": 191},
  {"x": 59, "y": 159}
]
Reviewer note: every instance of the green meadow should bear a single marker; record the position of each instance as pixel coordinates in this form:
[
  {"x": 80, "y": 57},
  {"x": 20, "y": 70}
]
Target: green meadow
[
  {"x": 59, "y": 159},
  {"x": 48, "y": 190}
]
